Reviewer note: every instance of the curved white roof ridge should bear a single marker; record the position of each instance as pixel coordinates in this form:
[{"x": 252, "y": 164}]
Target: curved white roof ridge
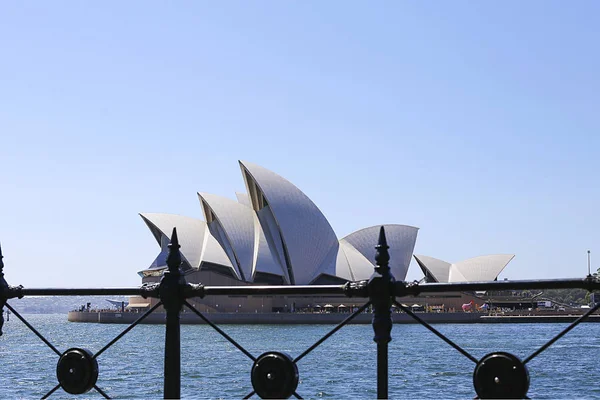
[
  {"x": 301, "y": 224},
  {"x": 487, "y": 255},
  {"x": 360, "y": 267},
  {"x": 213, "y": 252},
  {"x": 440, "y": 269},
  {"x": 237, "y": 221},
  {"x": 483, "y": 268},
  {"x": 479, "y": 268},
  {"x": 342, "y": 263},
  {"x": 456, "y": 275},
  {"x": 400, "y": 238},
  {"x": 264, "y": 260},
  {"x": 190, "y": 232},
  {"x": 197, "y": 244}
]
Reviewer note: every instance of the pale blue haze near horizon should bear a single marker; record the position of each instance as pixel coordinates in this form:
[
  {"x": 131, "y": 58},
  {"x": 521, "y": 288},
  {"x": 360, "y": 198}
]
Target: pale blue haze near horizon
[{"x": 475, "y": 121}]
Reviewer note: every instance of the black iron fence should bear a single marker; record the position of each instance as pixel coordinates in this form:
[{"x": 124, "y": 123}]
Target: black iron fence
[{"x": 275, "y": 374}]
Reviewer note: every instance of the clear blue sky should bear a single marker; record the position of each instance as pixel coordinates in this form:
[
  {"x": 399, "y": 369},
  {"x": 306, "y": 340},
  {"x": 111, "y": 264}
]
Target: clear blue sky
[{"x": 476, "y": 121}]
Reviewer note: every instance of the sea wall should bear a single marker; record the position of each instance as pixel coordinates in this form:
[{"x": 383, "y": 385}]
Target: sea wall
[{"x": 267, "y": 318}]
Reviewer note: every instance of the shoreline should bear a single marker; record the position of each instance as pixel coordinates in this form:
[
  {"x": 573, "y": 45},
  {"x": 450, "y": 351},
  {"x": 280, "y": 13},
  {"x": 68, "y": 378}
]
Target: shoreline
[{"x": 318, "y": 318}]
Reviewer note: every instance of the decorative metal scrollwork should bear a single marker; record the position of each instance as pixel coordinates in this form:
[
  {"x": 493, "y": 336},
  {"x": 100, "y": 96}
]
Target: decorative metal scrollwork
[
  {"x": 274, "y": 376},
  {"x": 501, "y": 376},
  {"x": 77, "y": 371}
]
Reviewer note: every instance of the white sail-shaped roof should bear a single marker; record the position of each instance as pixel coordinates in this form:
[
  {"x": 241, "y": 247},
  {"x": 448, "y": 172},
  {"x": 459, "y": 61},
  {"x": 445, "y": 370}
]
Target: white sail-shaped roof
[
  {"x": 197, "y": 244},
  {"x": 190, "y": 232},
  {"x": 237, "y": 220},
  {"x": 304, "y": 232},
  {"x": 440, "y": 270},
  {"x": 264, "y": 259},
  {"x": 482, "y": 268},
  {"x": 400, "y": 238},
  {"x": 213, "y": 252},
  {"x": 360, "y": 267}
]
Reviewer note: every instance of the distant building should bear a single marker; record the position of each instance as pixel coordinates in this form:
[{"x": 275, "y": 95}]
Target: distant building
[{"x": 274, "y": 234}]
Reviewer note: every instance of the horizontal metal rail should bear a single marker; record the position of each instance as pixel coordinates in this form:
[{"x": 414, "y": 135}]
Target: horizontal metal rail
[
  {"x": 413, "y": 289},
  {"x": 358, "y": 289},
  {"x": 79, "y": 292}
]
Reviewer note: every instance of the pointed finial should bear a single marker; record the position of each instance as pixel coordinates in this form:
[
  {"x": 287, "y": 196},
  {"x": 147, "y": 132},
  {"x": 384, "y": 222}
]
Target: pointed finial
[
  {"x": 382, "y": 239},
  {"x": 382, "y": 257},
  {"x": 174, "y": 257},
  {"x": 174, "y": 239}
]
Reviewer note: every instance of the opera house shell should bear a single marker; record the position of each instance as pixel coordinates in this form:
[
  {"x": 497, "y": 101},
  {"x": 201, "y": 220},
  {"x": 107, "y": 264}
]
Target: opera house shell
[{"x": 482, "y": 268}]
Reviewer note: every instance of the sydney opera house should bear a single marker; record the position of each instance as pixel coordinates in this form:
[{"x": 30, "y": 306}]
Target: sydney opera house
[{"x": 274, "y": 234}]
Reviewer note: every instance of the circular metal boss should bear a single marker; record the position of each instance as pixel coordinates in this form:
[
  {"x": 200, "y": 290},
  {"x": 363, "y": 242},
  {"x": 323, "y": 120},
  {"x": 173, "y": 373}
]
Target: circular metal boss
[
  {"x": 77, "y": 371},
  {"x": 501, "y": 376},
  {"x": 274, "y": 376}
]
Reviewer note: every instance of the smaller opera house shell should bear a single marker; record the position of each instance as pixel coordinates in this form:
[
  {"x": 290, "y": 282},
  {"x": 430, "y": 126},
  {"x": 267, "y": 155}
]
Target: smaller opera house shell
[
  {"x": 273, "y": 234},
  {"x": 476, "y": 269}
]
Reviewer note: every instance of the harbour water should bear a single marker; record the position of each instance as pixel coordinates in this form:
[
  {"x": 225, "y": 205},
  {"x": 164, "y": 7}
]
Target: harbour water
[{"x": 421, "y": 365}]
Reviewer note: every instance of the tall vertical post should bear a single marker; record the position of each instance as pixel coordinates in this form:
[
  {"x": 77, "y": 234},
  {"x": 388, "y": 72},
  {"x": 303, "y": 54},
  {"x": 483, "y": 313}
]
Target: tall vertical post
[
  {"x": 589, "y": 265},
  {"x": 380, "y": 294},
  {"x": 3, "y": 291},
  {"x": 171, "y": 293}
]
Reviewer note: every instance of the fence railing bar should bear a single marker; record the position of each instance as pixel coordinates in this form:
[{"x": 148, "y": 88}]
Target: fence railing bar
[
  {"x": 54, "y": 389},
  {"x": 400, "y": 289},
  {"x": 436, "y": 332},
  {"x": 79, "y": 292},
  {"x": 130, "y": 327},
  {"x": 252, "y": 393},
  {"x": 225, "y": 335},
  {"x": 413, "y": 289},
  {"x": 27, "y": 324},
  {"x": 334, "y": 330},
  {"x": 564, "y": 332},
  {"x": 101, "y": 392},
  {"x": 296, "y": 395},
  {"x": 268, "y": 290}
]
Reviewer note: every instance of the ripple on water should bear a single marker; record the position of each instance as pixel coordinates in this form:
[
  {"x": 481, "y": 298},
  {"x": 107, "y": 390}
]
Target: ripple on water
[{"x": 421, "y": 365}]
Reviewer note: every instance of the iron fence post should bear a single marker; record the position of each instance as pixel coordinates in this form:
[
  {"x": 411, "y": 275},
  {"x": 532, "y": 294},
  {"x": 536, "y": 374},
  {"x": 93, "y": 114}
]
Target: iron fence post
[
  {"x": 171, "y": 293},
  {"x": 3, "y": 291},
  {"x": 380, "y": 294}
]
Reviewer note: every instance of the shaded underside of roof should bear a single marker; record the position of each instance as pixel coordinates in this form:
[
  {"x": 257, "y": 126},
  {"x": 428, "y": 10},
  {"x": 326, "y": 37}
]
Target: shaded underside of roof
[
  {"x": 197, "y": 244},
  {"x": 440, "y": 270},
  {"x": 237, "y": 221}
]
